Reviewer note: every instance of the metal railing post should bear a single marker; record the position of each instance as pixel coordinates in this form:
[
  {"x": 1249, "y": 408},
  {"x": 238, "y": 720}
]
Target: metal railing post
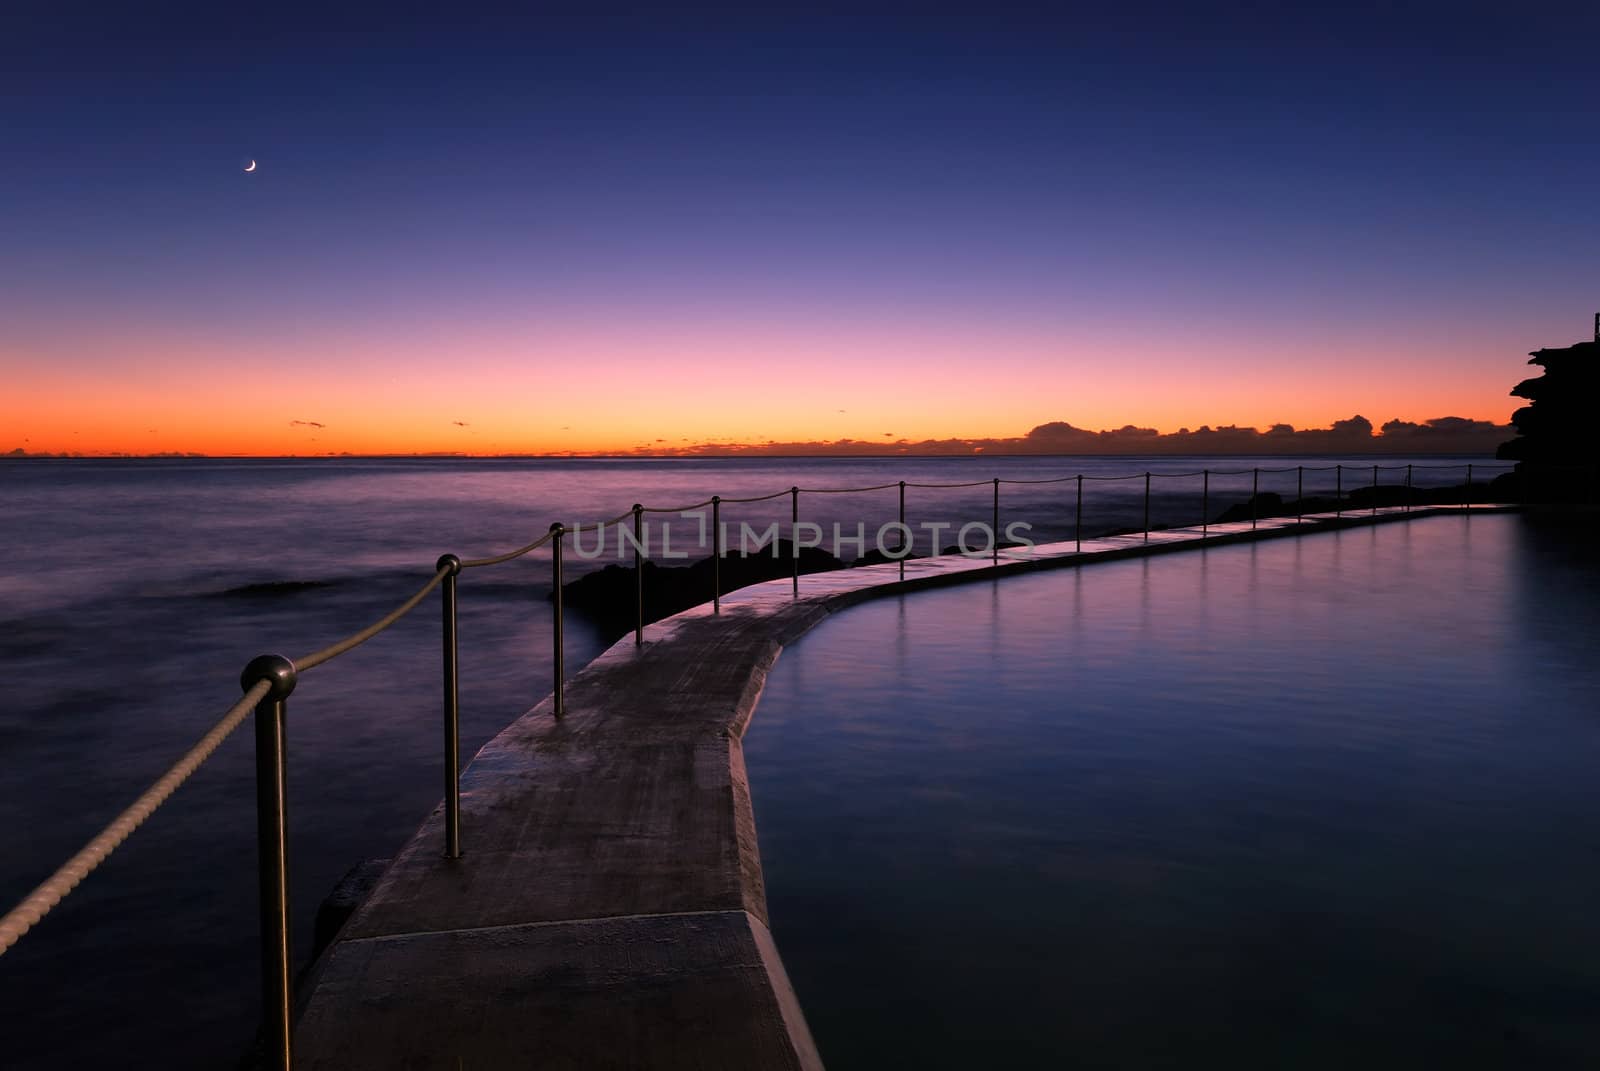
[
  {"x": 1408, "y": 489},
  {"x": 1374, "y": 490},
  {"x": 451, "y": 565},
  {"x": 1077, "y": 525},
  {"x": 272, "y": 848},
  {"x": 1299, "y": 492},
  {"x": 1338, "y": 490},
  {"x": 1466, "y": 495},
  {"x": 638, "y": 573},
  {"x": 1205, "y": 502},
  {"x": 994, "y": 533},
  {"x": 558, "y": 693},
  {"x": 794, "y": 535},
  {"x": 904, "y": 548},
  {"x": 716, "y": 554},
  {"x": 1147, "y": 507},
  {"x": 1255, "y": 489}
]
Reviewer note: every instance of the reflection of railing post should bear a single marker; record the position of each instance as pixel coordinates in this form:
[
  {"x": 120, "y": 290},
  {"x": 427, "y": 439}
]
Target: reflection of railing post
[
  {"x": 272, "y": 849},
  {"x": 450, "y": 565},
  {"x": 1466, "y": 495},
  {"x": 1147, "y": 507},
  {"x": 559, "y": 692},
  {"x": 1338, "y": 490},
  {"x": 904, "y": 547},
  {"x": 994, "y": 533},
  {"x": 1077, "y": 525},
  {"x": 1408, "y": 489},
  {"x": 1299, "y": 492},
  {"x": 1255, "y": 489},
  {"x": 794, "y": 535},
  {"x": 716, "y": 554},
  {"x": 638, "y": 573},
  {"x": 1205, "y": 502}
]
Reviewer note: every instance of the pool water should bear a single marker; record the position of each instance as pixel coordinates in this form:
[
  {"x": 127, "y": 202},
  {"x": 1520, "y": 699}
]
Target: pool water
[{"x": 1319, "y": 802}]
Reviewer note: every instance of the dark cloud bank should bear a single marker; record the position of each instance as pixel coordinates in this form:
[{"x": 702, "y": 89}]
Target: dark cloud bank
[{"x": 1442, "y": 435}]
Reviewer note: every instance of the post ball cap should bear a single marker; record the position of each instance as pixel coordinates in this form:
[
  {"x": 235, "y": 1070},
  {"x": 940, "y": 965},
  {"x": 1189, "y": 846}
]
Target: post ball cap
[{"x": 275, "y": 669}]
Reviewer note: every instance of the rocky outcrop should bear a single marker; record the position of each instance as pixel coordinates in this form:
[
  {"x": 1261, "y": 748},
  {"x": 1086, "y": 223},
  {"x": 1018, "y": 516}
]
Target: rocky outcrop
[
  {"x": 1556, "y": 449},
  {"x": 1365, "y": 496},
  {"x": 609, "y": 597}
]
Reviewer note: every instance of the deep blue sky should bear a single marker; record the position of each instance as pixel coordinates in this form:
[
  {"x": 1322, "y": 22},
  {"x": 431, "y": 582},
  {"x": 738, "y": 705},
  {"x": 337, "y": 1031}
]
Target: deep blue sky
[{"x": 1237, "y": 187}]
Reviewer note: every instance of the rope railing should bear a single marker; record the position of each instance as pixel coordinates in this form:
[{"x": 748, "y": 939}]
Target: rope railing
[
  {"x": 268, "y": 680},
  {"x": 334, "y": 650},
  {"x": 1051, "y": 479},
  {"x": 478, "y": 563},
  {"x": 856, "y": 490},
  {"x": 780, "y": 494},
  {"x": 680, "y": 509}
]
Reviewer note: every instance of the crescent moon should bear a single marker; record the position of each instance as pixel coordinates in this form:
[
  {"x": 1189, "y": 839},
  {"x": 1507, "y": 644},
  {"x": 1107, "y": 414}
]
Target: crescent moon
[{"x": 252, "y": 166}]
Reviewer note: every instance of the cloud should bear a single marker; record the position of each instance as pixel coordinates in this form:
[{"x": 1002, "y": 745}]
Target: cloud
[
  {"x": 1445, "y": 435},
  {"x": 461, "y": 423},
  {"x": 1357, "y": 427},
  {"x": 306, "y": 424},
  {"x": 1353, "y": 435}
]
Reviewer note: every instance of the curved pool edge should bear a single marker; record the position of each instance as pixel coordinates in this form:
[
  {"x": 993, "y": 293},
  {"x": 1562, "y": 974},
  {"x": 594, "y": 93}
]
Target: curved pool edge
[{"x": 609, "y": 908}]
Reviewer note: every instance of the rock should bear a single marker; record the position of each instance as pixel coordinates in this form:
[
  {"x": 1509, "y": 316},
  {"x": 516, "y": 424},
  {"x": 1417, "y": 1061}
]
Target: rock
[
  {"x": 1385, "y": 494},
  {"x": 609, "y": 597},
  {"x": 979, "y": 549},
  {"x": 1265, "y": 504},
  {"x": 1556, "y": 450},
  {"x": 1501, "y": 489},
  {"x": 337, "y": 907},
  {"x": 878, "y": 557}
]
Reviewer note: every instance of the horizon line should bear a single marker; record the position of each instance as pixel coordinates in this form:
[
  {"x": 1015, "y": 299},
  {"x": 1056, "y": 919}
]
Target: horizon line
[{"x": 714, "y": 456}]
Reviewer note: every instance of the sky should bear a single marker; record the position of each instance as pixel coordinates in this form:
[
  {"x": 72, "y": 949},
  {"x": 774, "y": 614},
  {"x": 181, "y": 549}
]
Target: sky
[{"x": 532, "y": 233}]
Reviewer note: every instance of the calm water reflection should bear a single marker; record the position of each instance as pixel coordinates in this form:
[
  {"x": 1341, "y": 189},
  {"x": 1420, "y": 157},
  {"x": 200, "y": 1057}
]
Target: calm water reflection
[{"x": 1328, "y": 802}]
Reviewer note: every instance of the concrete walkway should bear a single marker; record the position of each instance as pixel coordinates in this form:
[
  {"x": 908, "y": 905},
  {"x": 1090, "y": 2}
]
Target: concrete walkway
[{"x": 609, "y": 911}]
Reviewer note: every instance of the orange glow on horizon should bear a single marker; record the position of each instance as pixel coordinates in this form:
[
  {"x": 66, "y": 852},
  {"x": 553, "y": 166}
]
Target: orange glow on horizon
[{"x": 617, "y": 391}]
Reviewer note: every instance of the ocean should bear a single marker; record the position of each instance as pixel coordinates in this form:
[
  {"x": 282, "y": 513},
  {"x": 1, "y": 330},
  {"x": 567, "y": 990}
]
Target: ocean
[{"x": 133, "y": 591}]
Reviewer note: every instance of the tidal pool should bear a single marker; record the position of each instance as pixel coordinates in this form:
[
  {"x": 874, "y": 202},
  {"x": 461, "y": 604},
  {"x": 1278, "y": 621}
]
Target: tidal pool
[{"x": 1331, "y": 801}]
